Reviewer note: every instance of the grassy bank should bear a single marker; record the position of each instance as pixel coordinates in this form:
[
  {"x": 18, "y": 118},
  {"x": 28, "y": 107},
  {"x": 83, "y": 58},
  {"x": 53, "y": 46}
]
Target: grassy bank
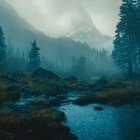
[
  {"x": 38, "y": 125},
  {"x": 115, "y": 92}
]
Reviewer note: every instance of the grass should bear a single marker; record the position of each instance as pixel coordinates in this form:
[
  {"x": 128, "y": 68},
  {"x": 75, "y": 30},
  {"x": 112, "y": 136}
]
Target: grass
[
  {"x": 130, "y": 93},
  {"x": 116, "y": 92},
  {"x": 14, "y": 125}
]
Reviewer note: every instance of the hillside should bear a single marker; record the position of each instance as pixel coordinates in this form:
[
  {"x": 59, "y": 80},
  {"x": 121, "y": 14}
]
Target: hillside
[{"x": 21, "y": 34}]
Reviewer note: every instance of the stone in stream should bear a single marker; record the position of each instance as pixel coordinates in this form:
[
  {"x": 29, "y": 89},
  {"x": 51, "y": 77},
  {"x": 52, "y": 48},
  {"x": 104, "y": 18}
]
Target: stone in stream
[{"x": 98, "y": 108}]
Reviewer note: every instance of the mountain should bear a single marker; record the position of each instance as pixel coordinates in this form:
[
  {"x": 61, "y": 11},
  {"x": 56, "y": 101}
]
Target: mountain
[
  {"x": 84, "y": 30},
  {"x": 94, "y": 40},
  {"x": 20, "y": 34}
]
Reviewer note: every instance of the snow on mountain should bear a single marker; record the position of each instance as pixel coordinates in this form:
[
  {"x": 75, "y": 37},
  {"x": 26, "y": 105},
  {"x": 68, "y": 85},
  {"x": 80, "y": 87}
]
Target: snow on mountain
[{"x": 83, "y": 29}]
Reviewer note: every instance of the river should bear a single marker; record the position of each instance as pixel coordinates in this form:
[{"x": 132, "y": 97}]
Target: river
[{"x": 112, "y": 123}]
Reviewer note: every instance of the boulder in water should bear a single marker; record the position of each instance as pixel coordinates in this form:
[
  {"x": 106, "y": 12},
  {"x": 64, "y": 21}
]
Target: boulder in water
[{"x": 98, "y": 108}]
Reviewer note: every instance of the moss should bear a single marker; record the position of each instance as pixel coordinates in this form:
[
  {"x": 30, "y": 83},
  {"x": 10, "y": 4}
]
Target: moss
[
  {"x": 117, "y": 96},
  {"x": 117, "y": 92},
  {"x": 17, "y": 126}
]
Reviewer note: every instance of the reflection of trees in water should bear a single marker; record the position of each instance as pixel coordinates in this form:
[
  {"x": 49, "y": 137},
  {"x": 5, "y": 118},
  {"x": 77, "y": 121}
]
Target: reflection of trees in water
[{"x": 129, "y": 122}]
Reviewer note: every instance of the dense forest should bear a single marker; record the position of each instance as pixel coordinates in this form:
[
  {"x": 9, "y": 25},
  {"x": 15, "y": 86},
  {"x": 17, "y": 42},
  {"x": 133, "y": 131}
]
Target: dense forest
[
  {"x": 68, "y": 66},
  {"x": 126, "y": 51}
]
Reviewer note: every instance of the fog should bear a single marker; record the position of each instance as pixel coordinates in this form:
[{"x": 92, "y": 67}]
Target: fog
[
  {"x": 63, "y": 56},
  {"x": 56, "y": 17}
]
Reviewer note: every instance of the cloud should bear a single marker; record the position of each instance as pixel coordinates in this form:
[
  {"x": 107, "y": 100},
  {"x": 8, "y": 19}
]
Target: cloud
[{"x": 56, "y": 17}]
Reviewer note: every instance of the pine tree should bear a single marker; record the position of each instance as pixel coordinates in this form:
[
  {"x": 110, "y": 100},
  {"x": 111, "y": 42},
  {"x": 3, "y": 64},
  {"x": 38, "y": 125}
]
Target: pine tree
[
  {"x": 138, "y": 34},
  {"x": 104, "y": 54},
  {"x": 23, "y": 62},
  {"x": 124, "y": 43},
  {"x": 10, "y": 58},
  {"x": 34, "y": 57},
  {"x": 80, "y": 68},
  {"x": 2, "y": 51}
]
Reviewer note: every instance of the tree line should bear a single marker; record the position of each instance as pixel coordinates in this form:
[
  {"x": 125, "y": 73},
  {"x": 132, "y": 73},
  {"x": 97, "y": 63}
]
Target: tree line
[
  {"x": 126, "y": 53},
  {"x": 14, "y": 60},
  {"x": 8, "y": 57}
]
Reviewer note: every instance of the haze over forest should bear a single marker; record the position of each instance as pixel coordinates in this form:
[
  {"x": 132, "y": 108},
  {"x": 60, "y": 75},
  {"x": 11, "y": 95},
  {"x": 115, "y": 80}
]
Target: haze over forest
[
  {"x": 69, "y": 69},
  {"x": 84, "y": 21},
  {"x": 68, "y": 38}
]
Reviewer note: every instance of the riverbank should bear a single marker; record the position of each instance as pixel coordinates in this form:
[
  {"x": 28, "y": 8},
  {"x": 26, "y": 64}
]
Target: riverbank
[
  {"x": 26, "y": 107},
  {"x": 42, "y": 124},
  {"x": 115, "y": 92},
  {"x": 27, "y": 102}
]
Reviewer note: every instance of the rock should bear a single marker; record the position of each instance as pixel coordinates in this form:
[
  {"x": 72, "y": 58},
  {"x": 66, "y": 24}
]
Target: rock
[
  {"x": 57, "y": 101},
  {"x": 89, "y": 100},
  {"x": 54, "y": 102},
  {"x": 81, "y": 102},
  {"x": 45, "y": 74},
  {"x": 98, "y": 108}
]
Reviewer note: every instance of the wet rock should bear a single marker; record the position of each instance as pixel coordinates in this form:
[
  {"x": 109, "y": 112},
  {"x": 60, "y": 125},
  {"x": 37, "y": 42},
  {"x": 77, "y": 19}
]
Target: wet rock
[
  {"x": 45, "y": 74},
  {"x": 98, "y": 108},
  {"x": 57, "y": 101},
  {"x": 89, "y": 100},
  {"x": 54, "y": 102}
]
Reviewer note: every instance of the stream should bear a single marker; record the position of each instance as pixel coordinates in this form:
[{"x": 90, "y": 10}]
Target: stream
[{"x": 111, "y": 123}]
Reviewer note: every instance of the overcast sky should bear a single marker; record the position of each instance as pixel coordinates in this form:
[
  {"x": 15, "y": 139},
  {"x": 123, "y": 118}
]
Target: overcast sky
[{"x": 56, "y": 17}]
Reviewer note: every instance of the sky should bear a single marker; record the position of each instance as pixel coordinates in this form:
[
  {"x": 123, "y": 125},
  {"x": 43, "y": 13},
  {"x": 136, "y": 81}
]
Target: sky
[{"x": 58, "y": 17}]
